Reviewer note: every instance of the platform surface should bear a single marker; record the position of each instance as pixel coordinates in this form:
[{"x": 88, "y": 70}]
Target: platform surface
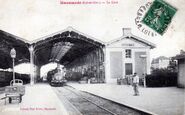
[
  {"x": 39, "y": 99},
  {"x": 159, "y": 101}
]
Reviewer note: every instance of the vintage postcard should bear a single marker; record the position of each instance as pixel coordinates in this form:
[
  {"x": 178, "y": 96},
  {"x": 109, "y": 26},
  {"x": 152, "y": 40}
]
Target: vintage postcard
[{"x": 92, "y": 57}]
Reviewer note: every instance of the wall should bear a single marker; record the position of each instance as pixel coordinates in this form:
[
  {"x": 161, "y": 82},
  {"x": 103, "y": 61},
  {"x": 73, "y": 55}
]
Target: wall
[
  {"x": 116, "y": 64},
  {"x": 140, "y": 64},
  {"x": 181, "y": 73}
]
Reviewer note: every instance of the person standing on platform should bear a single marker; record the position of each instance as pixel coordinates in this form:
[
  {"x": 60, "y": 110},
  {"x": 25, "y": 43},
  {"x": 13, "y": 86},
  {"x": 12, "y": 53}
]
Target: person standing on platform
[{"x": 136, "y": 84}]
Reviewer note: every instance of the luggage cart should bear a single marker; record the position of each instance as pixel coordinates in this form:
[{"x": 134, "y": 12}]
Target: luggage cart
[{"x": 15, "y": 91}]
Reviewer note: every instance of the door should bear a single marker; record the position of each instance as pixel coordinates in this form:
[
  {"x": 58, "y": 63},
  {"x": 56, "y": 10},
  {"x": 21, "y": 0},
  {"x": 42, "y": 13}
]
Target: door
[{"x": 128, "y": 69}]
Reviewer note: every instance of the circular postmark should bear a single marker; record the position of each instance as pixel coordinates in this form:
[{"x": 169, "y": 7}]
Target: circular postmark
[{"x": 138, "y": 20}]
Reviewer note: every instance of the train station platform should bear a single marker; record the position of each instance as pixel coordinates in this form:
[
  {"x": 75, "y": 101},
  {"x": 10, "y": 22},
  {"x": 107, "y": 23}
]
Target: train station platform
[
  {"x": 157, "y": 101},
  {"x": 39, "y": 99}
]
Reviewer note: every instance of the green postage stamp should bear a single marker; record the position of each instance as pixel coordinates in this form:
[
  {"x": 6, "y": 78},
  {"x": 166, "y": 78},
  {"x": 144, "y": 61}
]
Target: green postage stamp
[{"x": 159, "y": 16}]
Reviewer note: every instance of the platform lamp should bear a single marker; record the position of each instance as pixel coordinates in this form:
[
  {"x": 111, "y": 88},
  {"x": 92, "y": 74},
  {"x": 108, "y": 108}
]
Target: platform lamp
[
  {"x": 143, "y": 57},
  {"x": 13, "y": 56}
]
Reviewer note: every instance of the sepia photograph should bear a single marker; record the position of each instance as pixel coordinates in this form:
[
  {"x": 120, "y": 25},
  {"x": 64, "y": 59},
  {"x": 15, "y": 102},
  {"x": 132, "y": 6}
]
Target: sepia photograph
[{"x": 92, "y": 57}]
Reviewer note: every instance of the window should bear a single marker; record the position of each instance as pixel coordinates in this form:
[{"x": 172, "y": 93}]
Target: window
[{"x": 128, "y": 53}]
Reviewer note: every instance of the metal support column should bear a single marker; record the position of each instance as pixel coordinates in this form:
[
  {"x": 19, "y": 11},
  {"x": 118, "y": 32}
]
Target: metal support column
[{"x": 31, "y": 49}]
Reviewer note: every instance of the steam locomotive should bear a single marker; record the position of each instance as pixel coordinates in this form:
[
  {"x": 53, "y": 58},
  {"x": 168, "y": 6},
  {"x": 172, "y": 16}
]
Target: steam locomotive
[{"x": 58, "y": 79}]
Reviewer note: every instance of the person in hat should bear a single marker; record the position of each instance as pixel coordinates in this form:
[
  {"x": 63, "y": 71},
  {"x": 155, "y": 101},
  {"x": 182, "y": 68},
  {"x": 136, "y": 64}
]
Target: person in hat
[{"x": 136, "y": 84}]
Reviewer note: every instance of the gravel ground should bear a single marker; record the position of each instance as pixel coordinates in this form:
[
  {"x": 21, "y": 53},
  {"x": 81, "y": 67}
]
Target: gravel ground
[
  {"x": 116, "y": 108},
  {"x": 82, "y": 105}
]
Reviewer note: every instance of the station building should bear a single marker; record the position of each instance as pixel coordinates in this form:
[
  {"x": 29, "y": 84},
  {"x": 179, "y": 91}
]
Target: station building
[
  {"x": 127, "y": 55},
  {"x": 80, "y": 53}
]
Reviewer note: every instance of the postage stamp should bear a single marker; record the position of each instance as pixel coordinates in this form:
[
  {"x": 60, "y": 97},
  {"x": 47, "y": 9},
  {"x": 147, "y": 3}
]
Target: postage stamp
[
  {"x": 138, "y": 20},
  {"x": 159, "y": 16}
]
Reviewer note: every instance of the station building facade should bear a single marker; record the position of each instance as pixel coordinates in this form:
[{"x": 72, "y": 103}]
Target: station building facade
[{"x": 127, "y": 55}]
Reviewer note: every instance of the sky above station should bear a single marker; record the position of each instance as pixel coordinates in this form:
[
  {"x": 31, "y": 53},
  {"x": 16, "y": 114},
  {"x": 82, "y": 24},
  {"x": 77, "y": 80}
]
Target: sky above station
[{"x": 33, "y": 19}]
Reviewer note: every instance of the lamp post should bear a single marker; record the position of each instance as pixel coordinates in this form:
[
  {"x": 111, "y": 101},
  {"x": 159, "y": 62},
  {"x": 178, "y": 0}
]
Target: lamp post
[
  {"x": 143, "y": 57},
  {"x": 13, "y": 55}
]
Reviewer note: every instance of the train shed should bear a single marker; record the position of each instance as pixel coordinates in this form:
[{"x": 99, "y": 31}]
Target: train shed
[{"x": 81, "y": 53}]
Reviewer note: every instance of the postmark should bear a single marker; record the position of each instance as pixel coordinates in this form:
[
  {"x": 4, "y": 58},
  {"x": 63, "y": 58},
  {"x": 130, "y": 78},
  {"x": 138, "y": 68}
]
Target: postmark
[
  {"x": 138, "y": 20},
  {"x": 159, "y": 16}
]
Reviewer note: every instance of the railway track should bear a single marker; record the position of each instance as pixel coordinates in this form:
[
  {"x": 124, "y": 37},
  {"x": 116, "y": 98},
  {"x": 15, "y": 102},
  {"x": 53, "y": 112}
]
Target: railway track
[{"x": 88, "y": 104}]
